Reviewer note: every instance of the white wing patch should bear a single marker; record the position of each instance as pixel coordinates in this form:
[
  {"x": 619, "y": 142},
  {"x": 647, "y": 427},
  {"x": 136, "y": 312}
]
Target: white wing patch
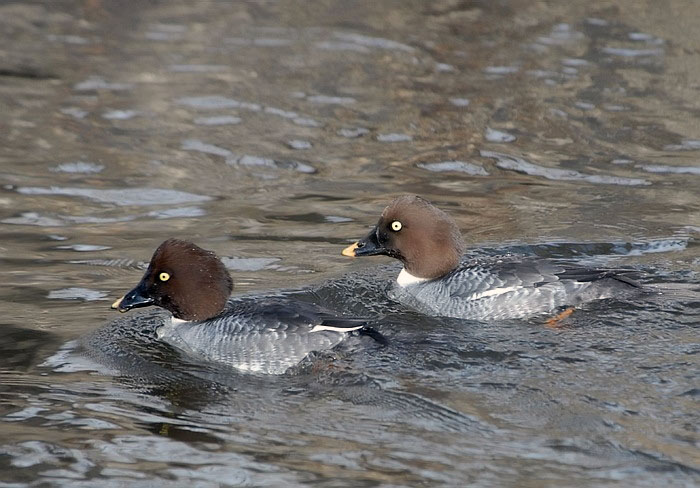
[
  {"x": 494, "y": 292},
  {"x": 318, "y": 328}
]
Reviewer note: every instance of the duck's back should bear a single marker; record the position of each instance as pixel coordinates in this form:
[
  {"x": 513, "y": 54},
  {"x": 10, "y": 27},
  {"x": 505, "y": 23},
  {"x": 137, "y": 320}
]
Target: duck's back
[{"x": 506, "y": 288}]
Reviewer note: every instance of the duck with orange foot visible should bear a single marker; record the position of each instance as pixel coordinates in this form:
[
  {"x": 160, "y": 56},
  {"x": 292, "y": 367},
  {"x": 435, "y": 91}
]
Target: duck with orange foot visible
[{"x": 435, "y": 280}]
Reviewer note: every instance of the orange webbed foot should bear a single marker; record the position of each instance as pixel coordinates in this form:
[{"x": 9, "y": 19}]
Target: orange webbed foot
[{"x": 555, "y": 322}]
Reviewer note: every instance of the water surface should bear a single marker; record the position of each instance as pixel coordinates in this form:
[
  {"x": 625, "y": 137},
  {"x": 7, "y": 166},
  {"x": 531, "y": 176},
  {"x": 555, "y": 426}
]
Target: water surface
[{"x": 274, "y": 133}]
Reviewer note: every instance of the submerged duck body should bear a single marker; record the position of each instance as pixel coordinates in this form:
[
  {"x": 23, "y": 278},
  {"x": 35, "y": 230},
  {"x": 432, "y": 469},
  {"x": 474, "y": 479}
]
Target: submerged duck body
[
  {"x": 268, "y": 335},
  {"x": 436, "y": 281},
  {"x": 254, "y": 334}
]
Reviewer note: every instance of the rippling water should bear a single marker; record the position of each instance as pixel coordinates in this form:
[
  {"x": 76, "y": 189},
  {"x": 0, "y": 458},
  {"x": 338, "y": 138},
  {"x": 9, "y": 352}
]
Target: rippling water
[{"x": 274, "y": 133}]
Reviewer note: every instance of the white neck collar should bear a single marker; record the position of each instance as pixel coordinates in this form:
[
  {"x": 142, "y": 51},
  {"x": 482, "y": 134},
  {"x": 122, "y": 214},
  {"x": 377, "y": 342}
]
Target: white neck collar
[
  {"x": 168, "y": 327},
  {"x": 405, "y": 278}
]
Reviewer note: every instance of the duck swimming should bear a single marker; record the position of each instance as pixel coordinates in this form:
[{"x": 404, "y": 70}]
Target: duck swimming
[
  {"x": 436, "y": 281},
  {"x": 254, "y": 334}
]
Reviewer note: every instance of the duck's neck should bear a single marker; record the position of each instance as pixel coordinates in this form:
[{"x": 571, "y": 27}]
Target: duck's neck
[
  {"x": 168, "y": 327},
  {"x": 405, "y": 278}
]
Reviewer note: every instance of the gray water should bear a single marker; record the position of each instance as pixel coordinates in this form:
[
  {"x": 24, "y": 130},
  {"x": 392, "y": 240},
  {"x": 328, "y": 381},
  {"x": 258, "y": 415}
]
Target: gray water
[{"x": 274, "y": 133}]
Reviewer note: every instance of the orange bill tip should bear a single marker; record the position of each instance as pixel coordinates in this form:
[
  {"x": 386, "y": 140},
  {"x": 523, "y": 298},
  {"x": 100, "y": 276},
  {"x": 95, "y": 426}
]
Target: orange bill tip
[
  {"x": 350, "y": 250},
  {"x": 115, "y": 305}
]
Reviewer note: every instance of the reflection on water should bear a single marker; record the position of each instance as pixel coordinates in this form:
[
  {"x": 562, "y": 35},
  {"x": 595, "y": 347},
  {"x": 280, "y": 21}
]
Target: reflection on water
[{"x": 274, "y": 134}]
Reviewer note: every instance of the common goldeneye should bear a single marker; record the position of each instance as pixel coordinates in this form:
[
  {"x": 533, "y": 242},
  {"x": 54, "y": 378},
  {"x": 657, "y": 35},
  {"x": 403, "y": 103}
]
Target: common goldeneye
[
  {"x": 435, "y": 281},
  {"x": 258, "y": 334}
]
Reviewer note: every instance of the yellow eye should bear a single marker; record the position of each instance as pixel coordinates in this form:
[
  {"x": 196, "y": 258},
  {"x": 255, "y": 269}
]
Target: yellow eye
[
  {"x": 396, "y": 226},
  {"x": 164, "y": 276}
]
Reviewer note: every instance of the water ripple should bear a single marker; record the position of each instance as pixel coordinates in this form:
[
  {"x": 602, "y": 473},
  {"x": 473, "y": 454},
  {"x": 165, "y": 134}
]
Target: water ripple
[
  {"x": 220, "y": 120},
  {"x": 120, "y": 114},
  {"x": 459, "y": 102},
  {"x": 209, "y": 102},
  {"x": 457, "y": 166},
  {"x": 327, "y": 99},
  {"x": 394, "y": 137},
  {"x": 99, "y": 83},
  {"x": 493, "y": 135},
  {"x": 119, "y": 196},
  {"x": 198, "y": 68},
  {"x": 515, "y": 163},
  {"x": 79, "y": 167},
  {"x": 342, "y": 46},
  {"x": 632, "y": 53},
  {"x": 662, "y": 168},
  {"x": 76, "y": 294},
  {"x": 203, "y": 147},
  {"x": 378, "y": 42},
  {"x": 353, "y": 133},
  {"x": 257, "y": 161},
  {"x": 248, "y": 264},
  {"x": 299, "y": 144}
]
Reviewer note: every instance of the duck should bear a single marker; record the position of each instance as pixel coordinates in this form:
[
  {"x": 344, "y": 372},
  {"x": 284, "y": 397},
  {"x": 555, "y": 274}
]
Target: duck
[
  {"x": 437, "y": 280},
  {"x": 256, "y": 334}
]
